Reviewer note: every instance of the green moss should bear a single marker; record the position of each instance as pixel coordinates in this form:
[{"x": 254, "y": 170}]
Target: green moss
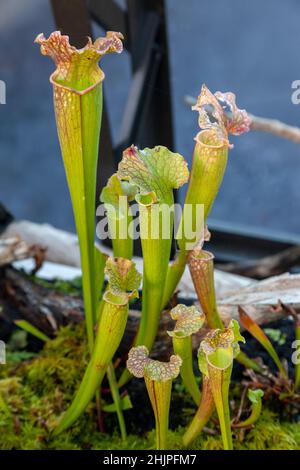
[
  {"x": 70, "y": 287},
  {"x": 35, "y": 391},
  {"x": 268, "y": 434}
]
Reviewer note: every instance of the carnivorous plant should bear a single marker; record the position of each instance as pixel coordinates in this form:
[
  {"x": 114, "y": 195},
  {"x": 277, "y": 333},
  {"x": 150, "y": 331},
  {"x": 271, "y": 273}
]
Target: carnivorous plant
[
  {"x": 158, "y": 378},
  {"x": 155, "y": 172},
  {"x": 215, "y": 356},
  {"x": 189, "y": 320},
  {"x": 124, "y": 281},
  {"x": 255, "y": 397},
  {"x": 149, "y": 177},
  {"x": 77, "y": 91},
  {"x": 218, "y": 118}
]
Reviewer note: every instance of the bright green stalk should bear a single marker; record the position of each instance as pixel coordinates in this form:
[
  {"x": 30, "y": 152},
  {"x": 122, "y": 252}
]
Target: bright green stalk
[
  {"x": 248, "y": 363},
  {"x": 156, "y": 255},
  {"x": 189, "y": 320},
  {"x": 208, "y": 168},
  {"x": 175, "y": 271},
  {"x": 116, "y": 196},
  {"x": 110, "y": 331},
  {"x": 77, "y": 84},
  {"x": 122, "y": 247},
  {"x": 219, "y": 383},
  {"x": 99, "y": 265},
  {"x": 216, "y": 354},
  {"x": 113, "y": 385},
  {"x": 183, "y": 348},
  {"x": 255, "y": 396},
  {"x": 158, "y": 379},
  {"x": 26, "y": 326},
  {"x": 123, "y": 277},
  {"x": 160, "y": 397},
  {"x": 219, "y": 117},
  {"x": 156, "y": 172},
  {"x": 202, "y": 415}
]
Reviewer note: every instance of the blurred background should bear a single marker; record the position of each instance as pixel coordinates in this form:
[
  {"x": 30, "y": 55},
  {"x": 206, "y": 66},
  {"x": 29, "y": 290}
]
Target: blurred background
[{"x": 250, "y": 48}]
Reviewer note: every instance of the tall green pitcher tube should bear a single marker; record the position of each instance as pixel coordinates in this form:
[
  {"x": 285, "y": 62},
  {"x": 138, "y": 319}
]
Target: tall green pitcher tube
[{"x": 77, "y": 91}]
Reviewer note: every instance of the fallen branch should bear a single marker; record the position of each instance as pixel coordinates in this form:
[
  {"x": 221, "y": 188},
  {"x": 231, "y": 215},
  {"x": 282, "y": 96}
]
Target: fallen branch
[
  {"x": 15, "y": 249},
  {"x": 62, "y": 246},
  {"x": 47, "y": 309},
  {"x": 272, "y": 126},
  {"x": 262, "y": 299},
  {"x": 279, "y": 128}
]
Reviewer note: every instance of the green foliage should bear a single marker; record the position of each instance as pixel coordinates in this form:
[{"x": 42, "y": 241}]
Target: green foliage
[
  {"x": 29, "y": 328},
  {"x": 69, "y": 287},
  {"x": 268, "y": 434},
  {"x": 276, "y": 335}
]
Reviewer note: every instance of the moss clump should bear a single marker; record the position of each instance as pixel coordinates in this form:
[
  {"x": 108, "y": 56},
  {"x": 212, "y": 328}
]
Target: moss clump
[
  {"x": 70, "y": 287},
  {"x": 34, "y": 391},
  {"x": 268, "y": 434}
]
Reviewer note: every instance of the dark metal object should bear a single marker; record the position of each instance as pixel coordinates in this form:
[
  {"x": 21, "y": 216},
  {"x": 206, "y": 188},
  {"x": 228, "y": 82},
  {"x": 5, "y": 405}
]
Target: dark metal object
[
  {"x": 72, "y": 18},
  {"x": 238, "y": 243},
  {"x": 147, "y": 118},
  {"x": 5, "y": 218}
]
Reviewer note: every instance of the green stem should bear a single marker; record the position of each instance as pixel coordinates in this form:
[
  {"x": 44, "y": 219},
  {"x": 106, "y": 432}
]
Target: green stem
[
  {"x": 119, "y": 223},
  {"x": 77, "y": 86},
  {"x": 183, "y": 347},
  {"x": 219, "y": 382},
  {"x": 247, "y": 362},
  {"x": 99, "y": 265},
  {"x": 78, "y": 127},
  {"x": 31, "y": 329},
  {"x": 174, "y": 274},
  {"x": 202, "y": 415},
  {"x": 117, "y": 399},
  {"x": 255, "y": 414},
  {"x": 156, "y": 255},
  {"x": 122, "y": 247},
  {"x": 109, "y": 334},
  {"x": 160, "y": 397},
  {"x": 208, "y": 168}
]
